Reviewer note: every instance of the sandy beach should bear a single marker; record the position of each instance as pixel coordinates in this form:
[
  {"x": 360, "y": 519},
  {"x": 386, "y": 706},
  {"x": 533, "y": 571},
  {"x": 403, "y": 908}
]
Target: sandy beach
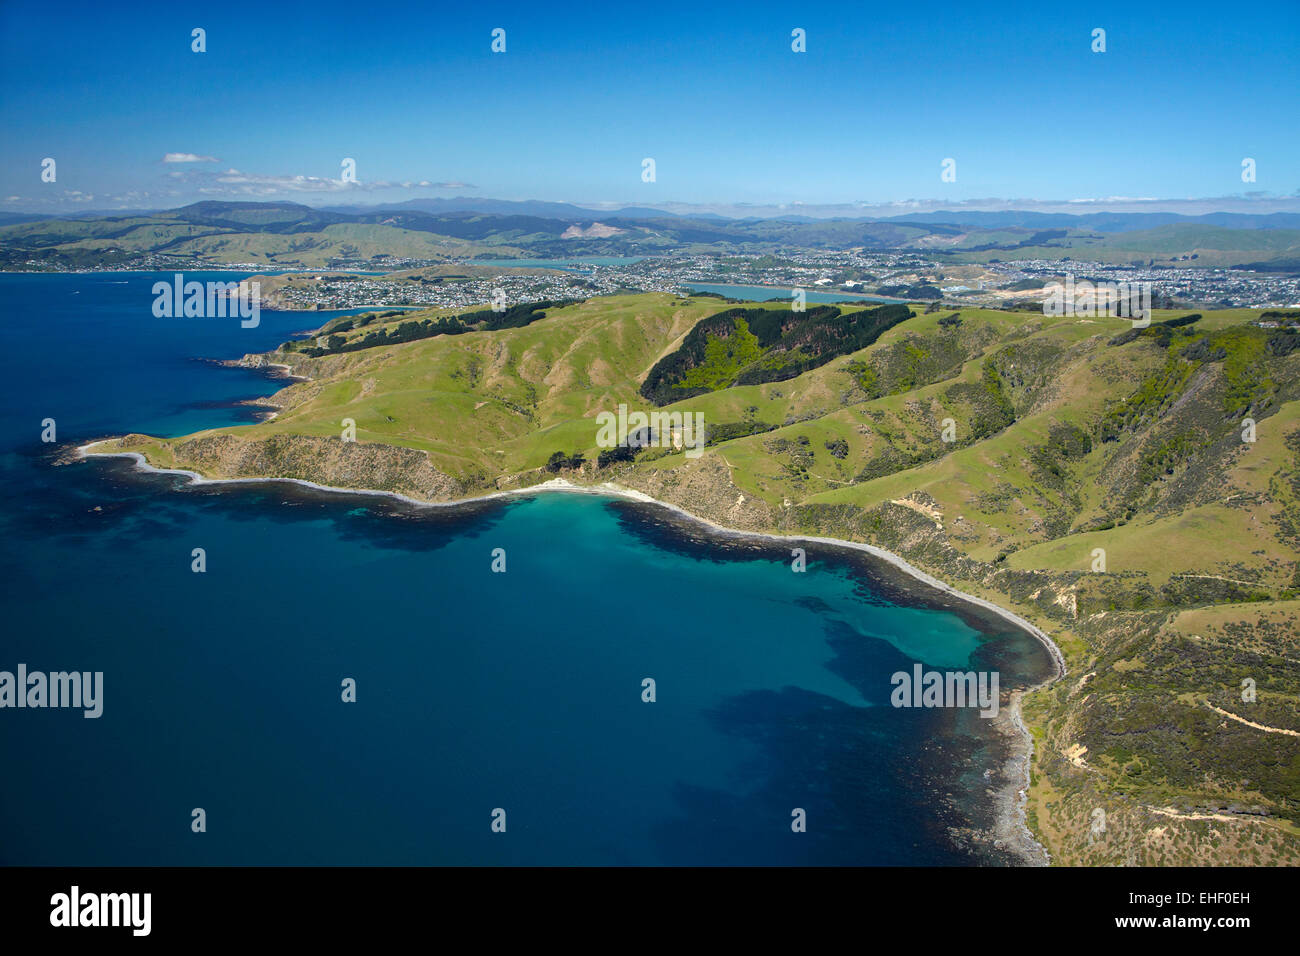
[{"x": 1011, "y": 830}]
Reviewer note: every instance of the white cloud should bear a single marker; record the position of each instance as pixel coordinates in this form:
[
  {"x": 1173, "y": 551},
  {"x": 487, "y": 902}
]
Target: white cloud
[
  {"x": 239, "y": 183},
  {"x": 188, "y": 158}
]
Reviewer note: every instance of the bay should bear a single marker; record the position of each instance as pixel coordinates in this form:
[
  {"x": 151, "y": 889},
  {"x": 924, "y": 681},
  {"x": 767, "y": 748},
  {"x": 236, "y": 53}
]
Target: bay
[{"x": 475, "y": 690}]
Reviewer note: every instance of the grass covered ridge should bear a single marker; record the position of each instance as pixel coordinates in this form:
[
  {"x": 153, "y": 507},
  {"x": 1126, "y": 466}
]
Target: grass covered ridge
[{"x": 1000, "y": 451}]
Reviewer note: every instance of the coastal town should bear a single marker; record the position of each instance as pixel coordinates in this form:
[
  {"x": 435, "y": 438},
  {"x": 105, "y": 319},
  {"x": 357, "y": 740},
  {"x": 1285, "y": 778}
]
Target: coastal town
[{"x": 830, "y": 275}]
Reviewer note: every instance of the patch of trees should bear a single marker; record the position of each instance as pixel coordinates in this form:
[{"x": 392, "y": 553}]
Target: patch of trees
[
  {"x": 864, "y": 376},
  {"x": 346, "y": 324},
  {"x": 488, "y": 320},
  {"x": 991, "y": 409},
  {"x": 1042, "y": 237},
  {"x": 717, "y": 433},
  {"x": 818, "y": 339},
  {"x": 799, "y": 449},
  {"x": 560, "y": 460},
  {"x": 891, "y": 460},
  {"x": 998, "y": 412},
  {"x": 636, "y": 441},
  {"x": 1065, "y": 443},
  {"x": 920, "y": 291},
  {"x": 1200, "y": 351},
  {"x": 609, "y": 456},
  {"x": 666, "y": 382},
  {"x": 1289, "y": 264},
  {"x": 350, "y": 322},
  {"x": 1161, "y": 332},
  {"x": 1162, "y": 458},
  {"x": 1156, "y": 392},
  {"x": 1283, "y": 344},
  {"x": 789, "y": 343}
]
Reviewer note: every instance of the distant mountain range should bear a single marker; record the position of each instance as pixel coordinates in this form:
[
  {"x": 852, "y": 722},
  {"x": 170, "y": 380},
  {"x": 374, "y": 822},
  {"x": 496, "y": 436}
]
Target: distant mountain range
[
  {"x": 570, "y": 212},
  {"x": 509, "y": 207},
  {"x": 292, "y": 235}
]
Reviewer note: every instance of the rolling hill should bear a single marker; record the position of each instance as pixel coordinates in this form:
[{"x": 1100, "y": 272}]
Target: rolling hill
[
  {"x": 290, "y": 235},
  {"x": 1134, "y": 492}
]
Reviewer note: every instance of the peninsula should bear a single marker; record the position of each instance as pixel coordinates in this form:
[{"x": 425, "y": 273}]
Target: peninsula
[{"x": 1134, "y": 492}]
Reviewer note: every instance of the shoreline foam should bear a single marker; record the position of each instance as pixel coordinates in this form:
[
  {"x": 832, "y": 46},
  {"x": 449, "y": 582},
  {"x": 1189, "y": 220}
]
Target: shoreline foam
[{"x": 1010, "y": 804}]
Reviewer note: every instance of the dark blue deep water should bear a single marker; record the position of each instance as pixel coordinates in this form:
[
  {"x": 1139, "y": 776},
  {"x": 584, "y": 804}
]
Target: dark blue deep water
[{"x": 476, "y": 690}]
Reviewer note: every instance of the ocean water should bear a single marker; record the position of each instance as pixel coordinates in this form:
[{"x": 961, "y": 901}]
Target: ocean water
[{"x": 476, "y": 691}]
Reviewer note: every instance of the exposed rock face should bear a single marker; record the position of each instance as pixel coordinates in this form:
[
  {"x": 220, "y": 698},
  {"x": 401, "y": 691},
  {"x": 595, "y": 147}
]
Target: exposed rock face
[
  {"x": 597, "y": 230},
  {"x": 325, "y": 461},
  {"x": 298, "y": 365},
  {"x": 705, "y": 489},
  {"x": 702, "y": 487}
]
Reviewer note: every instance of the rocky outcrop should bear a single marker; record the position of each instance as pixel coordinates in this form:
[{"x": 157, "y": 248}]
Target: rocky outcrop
[
  {"x": 325, "y": 461},
  {"x": 291, "y": 364},
  {"x": 705, "y": 489}
]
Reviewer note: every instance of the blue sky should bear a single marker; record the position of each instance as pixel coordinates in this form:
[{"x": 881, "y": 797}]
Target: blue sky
[{"x": 582, "y": 94}]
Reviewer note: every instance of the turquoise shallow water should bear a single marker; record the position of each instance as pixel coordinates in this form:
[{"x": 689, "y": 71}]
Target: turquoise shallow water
[{"x": 475, "y": 690}]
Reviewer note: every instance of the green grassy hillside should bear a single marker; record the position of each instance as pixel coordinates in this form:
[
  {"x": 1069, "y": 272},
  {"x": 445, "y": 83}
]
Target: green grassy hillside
[
  {"x": 290, "y": 234},
  {"x": 1134, "y": 492}
]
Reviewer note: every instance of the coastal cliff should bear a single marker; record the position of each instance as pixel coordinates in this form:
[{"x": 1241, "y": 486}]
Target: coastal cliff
[
  {"x": 1095, "y": 484},
  {"x": 322, "y": 461}
]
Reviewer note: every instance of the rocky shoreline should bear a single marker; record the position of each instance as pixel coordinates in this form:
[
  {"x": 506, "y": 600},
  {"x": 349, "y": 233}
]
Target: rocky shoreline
[{"x": 1011, "y": 830}]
